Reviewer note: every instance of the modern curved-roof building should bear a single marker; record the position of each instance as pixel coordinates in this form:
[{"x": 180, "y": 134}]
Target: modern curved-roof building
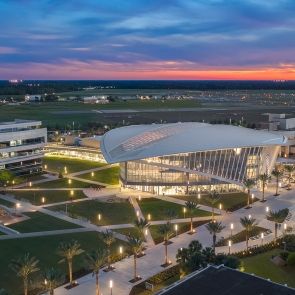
[{"x": 183, "y": 157}]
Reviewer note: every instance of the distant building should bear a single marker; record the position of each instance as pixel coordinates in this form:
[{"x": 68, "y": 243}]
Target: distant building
[
  {"x": 33, "y": 98},
  {"x": 21, "y": 146},
  {"x": 215, "y": 280},
  {"x": 96, "y": 100}
]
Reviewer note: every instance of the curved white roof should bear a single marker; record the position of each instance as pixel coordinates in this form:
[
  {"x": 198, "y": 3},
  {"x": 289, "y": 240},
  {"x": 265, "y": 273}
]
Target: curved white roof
[{"x": 145, "y": 141}]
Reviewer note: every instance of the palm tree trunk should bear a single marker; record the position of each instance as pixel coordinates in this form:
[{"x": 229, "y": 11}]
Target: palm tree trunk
[
  {"x": 109, "y": 257},
  {"x": 70, "y": 271},
  {"x": 51, "y": 291},
  {"x": 212, "y": 212},
  {"x": 263, "y": 186},
  {"x": 135, "y": 268},
  {"x": 277, "y": 186},
  {"x": 25, "y": 286},
  {"x": 192, "y": 224},
  {"x": 248, "y": 201},
  {"x": 166, "y": 252},
  {"x": 96, "y": 283},
  {"x": 214, "y": 242},
  {"x": 276, "y": 231},
  {"x": 247, "y": 241}
]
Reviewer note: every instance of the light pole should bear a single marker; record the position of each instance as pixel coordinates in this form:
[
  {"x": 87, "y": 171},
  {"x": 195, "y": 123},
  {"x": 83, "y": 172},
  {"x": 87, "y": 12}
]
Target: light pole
[
  {"x": 111, "y": 286},
  {"x": 149, "y": 217},
  {"x": 252, "y": 197},
  {"x": 285, "y": 231},
  {"x": 176, "y": 229},
  {"x": 262, "y": 237},
  {"x": 231, "y": 229},
  {"x": 121, "y": 251},
  {"x": 229, "y": 246},
  {"x": 267, "y": 209},
  {"x": 184, "y": 211}
]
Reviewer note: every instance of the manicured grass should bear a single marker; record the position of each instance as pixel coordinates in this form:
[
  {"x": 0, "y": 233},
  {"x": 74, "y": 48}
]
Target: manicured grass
[
  {"x": 63, "y": 183},
  {"x": 45, "y": 249},
  {"x": 241, "y": 236},
  {"x": 229, "y": 201},
  {"x": 120, "y": 212},
  {"x": 261, "y": 265},
  {"x": 109, "y": 176},
  {"x": 159, "y": 208},
  {"x": 35, "y": 197},
  {"x": 6, "y": 203},
  {"x": 182, "y": 228},
  {"x": 129, "y": 231},
  {"x": 58, "y": 164},
  {"x": 41, "y": 222}
]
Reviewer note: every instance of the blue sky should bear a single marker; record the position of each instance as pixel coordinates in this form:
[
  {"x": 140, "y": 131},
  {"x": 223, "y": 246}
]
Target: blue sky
[{"x": 115, "y": 39}]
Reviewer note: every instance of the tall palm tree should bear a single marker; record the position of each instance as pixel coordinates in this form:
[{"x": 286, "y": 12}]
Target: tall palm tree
[
  {"x": 248, "y": 224},
  {"x": 52, "y": 279},
  {"x": 264, "y": 178},
  {"x": 95, "y": 260},
  {"x": 108, "y": 238},
  {"x": 248, "y": 184},
  {"x": 277, "y": 173},
  {"x": 214, "y": 228},
  {"x": 141, "y": 224},
  {"x": 214, "y": 197},
  {"x": 290, "y": 169},
  {"x": 276, "y": 217},
  {"x": 135, "y": 245},
  {"x": 166, "y": 230},
  {"x": 68, "y": 250},
  {"x": 24, "y": 267},
  {"x": 191, "y": 206}
]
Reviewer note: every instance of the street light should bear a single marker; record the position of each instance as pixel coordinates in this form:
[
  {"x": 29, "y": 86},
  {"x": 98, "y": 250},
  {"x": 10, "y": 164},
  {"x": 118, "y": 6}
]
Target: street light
[
  {"x": 252, "y": 197},
  {"x": 70, "y": 181},
  {"x": 43, "y": 200},
  {"x": 121, "y": 251},
  {"x": 267, "y": 209},
  {"x": 111, "y": 286},
  {"x": 249, "y": 216},
  {"x": 137, "y": 213},
  {"x": 30, "y": 183},
  {"x": 146, "y": 232},
  {"x": 72, "y": 192},
  {"x": 92, "y": 174},
  {"x": 176, "y": 229},
  {"x": 262, "y": 237},
  {"x": 139, "y": 198},
  {"x": 149, "y": 217},
  {"x": 184, "y": 211},
  {"x": 199, "y": 196},
  {"x": 231, "y": 229},
  {"x": 99, "y": 217},
  {"x": 229, "y": 246}
]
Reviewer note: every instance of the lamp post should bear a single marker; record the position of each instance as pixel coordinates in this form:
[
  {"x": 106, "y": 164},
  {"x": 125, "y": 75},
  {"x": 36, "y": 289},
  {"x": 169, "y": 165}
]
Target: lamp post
[
  {"x": 262, "y": 237},
  {"x": 220, "y": 207},
  {"x": 176, "y": 229},
  {"x": 252, "y": 198},
  {"x": 231, "y": 229},
  {"x": 199, "y": 196},
  {"x": 267, "y": 209},
  {"x": 149, "y": 217},
  {"x": 99, "y": 217},
  {"x": 121, "y": 251},
  {"x": 229, "y": 246},
  {"x": 70, "y": 181},
  {"x": 111, "y": 286},
  {"x": 92, "y": 174},
  {"x": 184, "y": 211},
  {"x": 249, "y": 216},
  {"x": 43, "y": 200}
]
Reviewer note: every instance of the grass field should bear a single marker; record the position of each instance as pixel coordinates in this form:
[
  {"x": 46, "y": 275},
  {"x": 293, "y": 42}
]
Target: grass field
[
  {"x": 6, "y": 203},
  {"x": 63, "y": 183},
  {"x": 44, "y": 249},
  {"x": 229, "y": 201},
  {"x": 111, "y": 213},
  {"x": 41, "y": 222},
  {"x": 35, "y": 197},
  {"x": 129, "y": 231},
  {"x": 159, "y": 208},
  {"x": 182, "y": 228},
  {"x": 58, "y": 164},
  {"x": 261, "y": 265},
  {"x": 241, "y": 236},
  {"x": 109, "y": 176}
]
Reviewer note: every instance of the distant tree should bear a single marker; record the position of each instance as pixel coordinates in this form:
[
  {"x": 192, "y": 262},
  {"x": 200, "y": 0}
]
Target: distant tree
[
  {"x": 166, "y": 230},
  {"x": 135, "y": 245},
  {"x": 5, "y": 176},
  {"x": 141, "y": 225},
  {"x": 277, "y": 173},
  {"x": 52, "y": 279},
  {"x": 227, "y": 260},
  {"x": 264, "y": 178},
  {"x": 108, "y": 239},
  {"x": 24, "y": 267},
  {"x": 248, "y": 184},
  {"x": 290, "y": 170},
  {"x": 277, "y": 217},
  {"x": 248, "y": 224},
  {"x": 213, "y": 198},
  {"x": 214, "y": 228},
  {"x": 191, "y": 207}
]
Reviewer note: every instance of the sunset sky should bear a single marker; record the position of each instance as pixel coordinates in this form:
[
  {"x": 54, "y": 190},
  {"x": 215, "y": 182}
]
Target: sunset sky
[{"x": 147, "y": 39}]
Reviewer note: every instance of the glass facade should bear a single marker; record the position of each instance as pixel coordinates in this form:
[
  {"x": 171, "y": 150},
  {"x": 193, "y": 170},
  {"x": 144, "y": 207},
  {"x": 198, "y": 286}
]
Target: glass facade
[{"x": 197, "y": 171}]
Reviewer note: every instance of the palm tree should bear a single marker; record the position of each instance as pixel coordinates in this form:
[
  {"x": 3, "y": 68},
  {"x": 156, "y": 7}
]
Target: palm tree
[
  {"x": 24, "y": 267},
  {"x": 276, "y": 217},
  {"x": 248, "y": 224},
  {"x": 289, "y": 169},
  {"x": 214, "y": 228},
  {"x": 264, "y": 178},
  {"x": 68, "y": 251},
  {"x": 135, "y": 245},
  {"x": 277, "y": 173},
  {"x": 141, "y": 225},
  {"x": 191, "y": 206},
  {"x": 214, "y": 197},
  {"x": 248, "y": 184},
  {"x": 95, "y": 260},
  {"x": 52, "y": 279},
  {"x": 166, "y": 230},
  {"x": 108, "y": 239}
]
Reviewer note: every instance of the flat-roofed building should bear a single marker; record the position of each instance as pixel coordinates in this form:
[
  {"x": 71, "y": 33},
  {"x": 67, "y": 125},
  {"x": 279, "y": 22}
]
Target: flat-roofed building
[{"x": 21, "y": 146}]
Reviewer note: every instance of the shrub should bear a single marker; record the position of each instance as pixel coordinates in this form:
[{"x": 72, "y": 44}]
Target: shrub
[
  {"x": 291, "y": 259},
  {"x": 284, "y": 255},
  {"x": 228, "y": 260}
]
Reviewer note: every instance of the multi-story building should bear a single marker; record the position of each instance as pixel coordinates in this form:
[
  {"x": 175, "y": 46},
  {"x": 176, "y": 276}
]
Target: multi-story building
[
  {"x": 21, "y": 146},
  {"x": 182, "y": 158}
]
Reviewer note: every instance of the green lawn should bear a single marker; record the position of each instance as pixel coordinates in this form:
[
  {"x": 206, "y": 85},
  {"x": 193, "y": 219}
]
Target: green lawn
[
  {"x": 58, "y": 164},
  {"x": 111, "y": 213},
  {"x": 262, "y": 266},
  {"x": 159, "y": 208},
  {"x": 45, "y": 249},
  {"x": 229, "y": 201},
  {"x": 129, "y": 231},
  {"x": 241, "y": 236},
  {"x": 41, "y": 222},
  {"x": 6, "y": 203},
  {"x": 63, "y": 183},
  {"x": 182, "y": 228},
  {"x": 109, "y": 176},
  {"x": 35, "y": 197}
]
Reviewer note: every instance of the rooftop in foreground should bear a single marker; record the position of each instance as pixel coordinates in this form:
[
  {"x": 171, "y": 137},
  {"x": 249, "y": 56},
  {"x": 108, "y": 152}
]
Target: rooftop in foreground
[{"x": 226, "y": 281}]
